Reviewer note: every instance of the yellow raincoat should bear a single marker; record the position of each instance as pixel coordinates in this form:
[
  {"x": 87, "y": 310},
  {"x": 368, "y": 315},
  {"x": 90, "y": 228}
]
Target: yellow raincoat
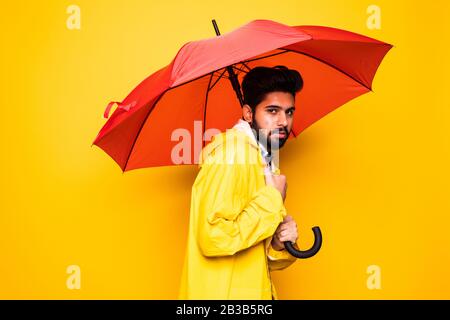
[{"x": 233, "y": 217}]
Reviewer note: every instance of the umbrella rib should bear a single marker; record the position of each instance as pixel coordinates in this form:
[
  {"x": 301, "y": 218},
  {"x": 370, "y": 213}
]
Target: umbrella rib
[
  {"x": 274, "y": 54},
  {"x": 315, "y": 58},
  {"x": 182, "y": 84},
  {"x": 154, "y": 106},
  {"x": 332, "y": 66},
  {"x": 140, "y": 129},
  {"x": 245, "y": 65},
  {"x": 239, "y": 69},
  {"x": 148, "y": 114},
  {"x": 268, "y": 56},
  {"x": 215, "y": 82},
  {"x": 204, "y": 112},
  {"x": 223, "y": 72}
]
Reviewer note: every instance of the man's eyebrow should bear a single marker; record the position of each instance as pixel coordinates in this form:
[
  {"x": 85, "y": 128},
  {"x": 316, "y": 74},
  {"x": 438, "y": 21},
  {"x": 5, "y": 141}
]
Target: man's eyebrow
[{"x": 278, "y": 107}]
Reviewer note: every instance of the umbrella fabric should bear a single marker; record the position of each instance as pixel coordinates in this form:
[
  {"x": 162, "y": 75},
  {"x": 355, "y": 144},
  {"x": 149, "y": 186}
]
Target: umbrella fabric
[{"x": 336, "y": 66}]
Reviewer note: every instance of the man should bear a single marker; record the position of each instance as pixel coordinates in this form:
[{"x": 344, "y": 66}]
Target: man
[{"x": 238, "y": 221}]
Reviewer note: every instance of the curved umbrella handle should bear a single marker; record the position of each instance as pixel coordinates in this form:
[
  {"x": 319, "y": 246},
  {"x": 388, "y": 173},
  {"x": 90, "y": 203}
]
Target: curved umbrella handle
[{"x": 307, "y": 253}]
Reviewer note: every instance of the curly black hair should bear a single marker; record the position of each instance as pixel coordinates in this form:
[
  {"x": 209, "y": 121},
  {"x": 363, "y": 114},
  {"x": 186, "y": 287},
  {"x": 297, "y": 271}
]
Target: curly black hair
[{"x": 262, "y": 80}]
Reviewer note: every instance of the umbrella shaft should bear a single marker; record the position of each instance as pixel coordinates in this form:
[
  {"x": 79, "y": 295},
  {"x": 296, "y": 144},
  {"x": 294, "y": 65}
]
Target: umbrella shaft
[
  {"x": 235, "y": 83},
  {"x": 232, "y": 76}
]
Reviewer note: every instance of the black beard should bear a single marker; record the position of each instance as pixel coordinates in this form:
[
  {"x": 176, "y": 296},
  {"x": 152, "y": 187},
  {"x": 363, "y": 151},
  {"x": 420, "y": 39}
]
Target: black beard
[{"x": 264, "y": 140}]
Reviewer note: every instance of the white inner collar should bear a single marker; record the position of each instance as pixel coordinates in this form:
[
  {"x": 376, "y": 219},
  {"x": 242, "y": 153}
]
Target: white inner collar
[{"x": 245, "y": 127}]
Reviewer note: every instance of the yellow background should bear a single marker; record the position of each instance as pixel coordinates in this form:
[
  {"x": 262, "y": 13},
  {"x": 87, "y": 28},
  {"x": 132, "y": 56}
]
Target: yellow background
[{"x": 373, "y": 175}]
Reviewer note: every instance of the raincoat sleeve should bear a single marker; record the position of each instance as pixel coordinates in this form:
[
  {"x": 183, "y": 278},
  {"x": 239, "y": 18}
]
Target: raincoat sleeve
[
  {"x": 278, "y": 260},
  {"x": 227, "y": 221}
]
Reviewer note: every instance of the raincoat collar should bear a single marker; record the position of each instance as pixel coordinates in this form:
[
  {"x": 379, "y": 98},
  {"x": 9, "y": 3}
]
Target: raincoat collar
[{"x": 244, "y": 126}]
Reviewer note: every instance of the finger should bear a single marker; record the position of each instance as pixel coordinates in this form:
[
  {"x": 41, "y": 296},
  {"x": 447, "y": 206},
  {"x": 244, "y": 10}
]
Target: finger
[
  {"x": 287, "y": 219},
  {"x": 291, "y": 225},
  {"x": 278, "y": 238},
  {"x": 284, "y": 239},
  {"x": 285, "y": 233},
  {"x": 288, "y": 224},
  {"x": 290, "y": 238},
  {"x": 269, "y": 179}
]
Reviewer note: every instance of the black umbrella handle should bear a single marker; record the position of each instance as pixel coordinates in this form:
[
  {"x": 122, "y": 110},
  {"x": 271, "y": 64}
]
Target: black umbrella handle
[{"x": 307, "y": 253}]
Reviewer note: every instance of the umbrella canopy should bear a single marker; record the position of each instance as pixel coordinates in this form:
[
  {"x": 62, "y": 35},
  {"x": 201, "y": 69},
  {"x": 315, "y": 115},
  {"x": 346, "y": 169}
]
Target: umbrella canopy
[{"x": 194, "y": 93}]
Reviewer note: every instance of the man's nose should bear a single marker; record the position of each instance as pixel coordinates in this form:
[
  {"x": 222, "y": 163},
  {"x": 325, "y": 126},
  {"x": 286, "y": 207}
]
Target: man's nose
[{"x": 282, "y": 119}]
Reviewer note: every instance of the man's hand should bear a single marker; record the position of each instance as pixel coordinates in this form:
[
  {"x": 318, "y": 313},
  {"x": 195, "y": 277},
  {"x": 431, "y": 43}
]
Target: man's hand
[
  {"x": 279, "y": 182},
  {"x": 286, "y": 231}
]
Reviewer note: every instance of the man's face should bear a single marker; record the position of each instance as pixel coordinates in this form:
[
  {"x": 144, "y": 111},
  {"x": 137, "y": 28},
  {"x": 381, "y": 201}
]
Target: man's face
[{"x": 273, "y": 119}]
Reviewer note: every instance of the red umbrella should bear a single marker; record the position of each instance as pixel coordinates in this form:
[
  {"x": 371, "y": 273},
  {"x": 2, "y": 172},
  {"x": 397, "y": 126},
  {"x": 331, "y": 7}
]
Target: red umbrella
[
  {"x": 200, "y": 86},
  {"x": 336, "y": 66}
]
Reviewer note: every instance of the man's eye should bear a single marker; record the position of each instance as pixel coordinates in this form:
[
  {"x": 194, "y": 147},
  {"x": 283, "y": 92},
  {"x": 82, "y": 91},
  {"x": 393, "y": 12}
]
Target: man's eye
[
  {"x": 272, "y": 110},
  {"x": 290, "y": 112}
]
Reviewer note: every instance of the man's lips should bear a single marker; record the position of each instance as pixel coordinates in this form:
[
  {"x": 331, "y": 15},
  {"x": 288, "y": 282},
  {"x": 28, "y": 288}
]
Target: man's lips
[{"x": 281, "y": 134}]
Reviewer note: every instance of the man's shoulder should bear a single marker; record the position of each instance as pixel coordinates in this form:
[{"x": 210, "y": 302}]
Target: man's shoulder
[{"x": 231, "y": 146}]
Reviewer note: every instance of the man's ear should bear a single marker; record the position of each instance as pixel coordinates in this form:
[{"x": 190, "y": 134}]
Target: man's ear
[{"x": 247, "y": 113}]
